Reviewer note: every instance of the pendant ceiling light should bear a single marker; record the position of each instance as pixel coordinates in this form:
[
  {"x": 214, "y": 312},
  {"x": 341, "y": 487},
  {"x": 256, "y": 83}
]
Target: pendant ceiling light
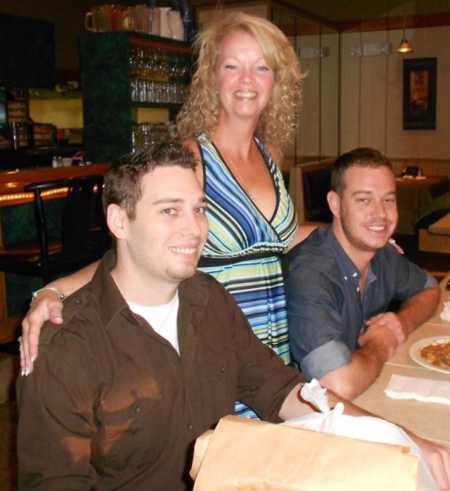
[{"x": 404, "y": 46}]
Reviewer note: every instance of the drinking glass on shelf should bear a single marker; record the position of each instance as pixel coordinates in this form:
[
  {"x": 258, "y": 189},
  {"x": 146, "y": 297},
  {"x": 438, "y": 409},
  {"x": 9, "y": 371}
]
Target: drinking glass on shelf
[
  {"x": 134, "y": 91},
  {"x": 144, "y": 135}
]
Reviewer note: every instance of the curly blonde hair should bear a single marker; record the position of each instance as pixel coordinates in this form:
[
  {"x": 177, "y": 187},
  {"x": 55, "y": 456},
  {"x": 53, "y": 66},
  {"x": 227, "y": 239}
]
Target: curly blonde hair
[{"x": 200, "y": 112}]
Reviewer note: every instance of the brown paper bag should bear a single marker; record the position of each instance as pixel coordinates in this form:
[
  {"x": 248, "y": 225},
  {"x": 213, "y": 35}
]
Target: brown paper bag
[{"x": 247, "y": 455}]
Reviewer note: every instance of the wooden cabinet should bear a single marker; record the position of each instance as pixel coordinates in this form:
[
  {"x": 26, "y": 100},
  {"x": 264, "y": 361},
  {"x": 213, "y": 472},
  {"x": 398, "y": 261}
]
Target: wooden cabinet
[{"x": 122, "y": 72}]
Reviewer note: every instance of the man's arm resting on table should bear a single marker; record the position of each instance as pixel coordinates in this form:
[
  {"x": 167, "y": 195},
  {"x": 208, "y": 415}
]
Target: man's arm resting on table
[
  {"x": 419, "y": 308},
  {"x": 379, "y": 343},
  {"x": 412, "y": 313},
  {"x": 365, "y": 366},
  {"x": 294, "y": 406}
]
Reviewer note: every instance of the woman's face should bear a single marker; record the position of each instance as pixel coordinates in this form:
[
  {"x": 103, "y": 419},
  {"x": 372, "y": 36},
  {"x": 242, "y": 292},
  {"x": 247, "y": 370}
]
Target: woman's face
[{"x": 244, "y": 80}]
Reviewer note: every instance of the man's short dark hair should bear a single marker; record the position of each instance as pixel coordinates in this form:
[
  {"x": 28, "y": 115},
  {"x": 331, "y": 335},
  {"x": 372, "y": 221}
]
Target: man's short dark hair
[
  {"x": 123, "y": 180},
  {"x": 361, "y": 157}
]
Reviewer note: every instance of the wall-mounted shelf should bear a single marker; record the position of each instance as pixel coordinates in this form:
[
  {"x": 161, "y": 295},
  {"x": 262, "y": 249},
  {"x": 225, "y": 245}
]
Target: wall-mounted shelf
[{"x": 122, "y": 72}]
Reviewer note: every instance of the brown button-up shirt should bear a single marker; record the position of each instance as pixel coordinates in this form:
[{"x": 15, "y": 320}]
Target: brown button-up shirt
[{"x": 110, "y": 403}]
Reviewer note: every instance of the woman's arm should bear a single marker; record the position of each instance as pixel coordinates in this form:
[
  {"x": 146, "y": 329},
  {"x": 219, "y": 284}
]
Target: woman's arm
[
  {"x": 301, "y": 234},
  {"x": 47, "y": 305}
]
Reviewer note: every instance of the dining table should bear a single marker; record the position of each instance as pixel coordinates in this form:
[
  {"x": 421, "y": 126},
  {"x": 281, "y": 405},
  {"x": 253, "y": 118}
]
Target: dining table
[
  {"x": 427, "y": 419},
  {"x": 441, "y": 226}
]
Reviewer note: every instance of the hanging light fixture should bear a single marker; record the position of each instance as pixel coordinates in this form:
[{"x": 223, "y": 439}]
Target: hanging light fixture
[{"x": 404, "y": 46}]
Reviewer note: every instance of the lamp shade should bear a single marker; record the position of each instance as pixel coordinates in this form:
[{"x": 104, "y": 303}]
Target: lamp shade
[{"x": 404, "y": 46}]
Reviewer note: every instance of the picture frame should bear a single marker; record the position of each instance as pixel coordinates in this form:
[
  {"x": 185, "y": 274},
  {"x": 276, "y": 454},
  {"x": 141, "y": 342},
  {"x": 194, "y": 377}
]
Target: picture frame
[{"x": 419, "y": 93}]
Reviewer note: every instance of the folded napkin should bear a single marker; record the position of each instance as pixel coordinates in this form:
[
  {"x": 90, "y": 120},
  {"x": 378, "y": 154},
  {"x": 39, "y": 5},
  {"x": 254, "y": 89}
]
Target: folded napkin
[
  {"x": 445, "y": 314},
  {"x": 420, "y": 389}
]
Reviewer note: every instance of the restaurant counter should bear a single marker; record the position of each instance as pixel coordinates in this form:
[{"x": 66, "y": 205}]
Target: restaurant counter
[
  {"x": 12, "y": 182},
  {"x": 36, "y": 156}
]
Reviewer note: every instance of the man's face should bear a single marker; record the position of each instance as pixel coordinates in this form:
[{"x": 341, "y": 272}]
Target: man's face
[
  {"x": 165, "y": 239},
  {"x": 367, "y": 208}
]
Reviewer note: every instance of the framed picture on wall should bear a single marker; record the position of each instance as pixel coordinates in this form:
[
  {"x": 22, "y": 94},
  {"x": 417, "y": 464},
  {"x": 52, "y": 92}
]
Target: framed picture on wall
[{"x": 419, "y": 93}]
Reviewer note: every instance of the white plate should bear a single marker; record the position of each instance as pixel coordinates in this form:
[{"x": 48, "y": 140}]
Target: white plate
[{"x": 414, "y": 352}]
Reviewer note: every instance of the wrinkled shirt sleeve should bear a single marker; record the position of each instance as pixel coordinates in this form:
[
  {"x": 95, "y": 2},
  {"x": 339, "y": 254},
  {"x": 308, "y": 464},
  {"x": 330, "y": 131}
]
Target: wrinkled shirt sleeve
[
  {"x": 263, "y": 381},
  {"x": 56, "y": 420},
  {"x": 410, "y": 278},
  {"x": 316, "y": 329}
]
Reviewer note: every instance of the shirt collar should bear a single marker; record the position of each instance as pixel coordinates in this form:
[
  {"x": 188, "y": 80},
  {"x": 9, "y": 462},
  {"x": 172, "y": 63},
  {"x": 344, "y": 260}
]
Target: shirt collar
[
  {"x": 111, "y": 302},
  {"x": 349, "y": 271}
]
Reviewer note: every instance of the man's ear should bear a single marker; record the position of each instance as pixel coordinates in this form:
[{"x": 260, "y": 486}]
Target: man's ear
[
  {"x": 334, "y": 202},
  {"x": 117, "y": 220}
]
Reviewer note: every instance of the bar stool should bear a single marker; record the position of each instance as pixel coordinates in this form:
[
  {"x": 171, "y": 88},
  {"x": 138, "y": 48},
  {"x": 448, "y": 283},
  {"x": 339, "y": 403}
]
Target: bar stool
[{"x": 83, "y": 236}]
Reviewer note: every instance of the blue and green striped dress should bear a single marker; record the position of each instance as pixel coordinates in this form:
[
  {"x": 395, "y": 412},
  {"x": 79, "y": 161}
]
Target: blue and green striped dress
[{"x": 243, "y": 248}]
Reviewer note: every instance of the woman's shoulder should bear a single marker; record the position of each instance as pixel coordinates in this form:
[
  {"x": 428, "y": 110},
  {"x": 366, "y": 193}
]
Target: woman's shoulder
[{"x": 272, "y": 151}]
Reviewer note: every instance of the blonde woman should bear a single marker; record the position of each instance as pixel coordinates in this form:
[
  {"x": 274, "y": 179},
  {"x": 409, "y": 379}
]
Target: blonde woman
[{"x": 239, "y": 115}]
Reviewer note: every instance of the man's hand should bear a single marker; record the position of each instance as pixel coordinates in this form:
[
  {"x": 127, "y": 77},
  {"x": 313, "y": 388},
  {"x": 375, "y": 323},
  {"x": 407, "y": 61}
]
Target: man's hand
[
  {"x": 438, "y": 459},
  {"x": 391, "y": 321},
  {"x": 47, "y": 306},
  {"x": 376, "y": 347},
  {"x": 381, "y": 337}
]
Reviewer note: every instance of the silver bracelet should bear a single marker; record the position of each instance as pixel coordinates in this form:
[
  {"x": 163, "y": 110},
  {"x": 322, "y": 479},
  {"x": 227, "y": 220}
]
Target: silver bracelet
[{"x": 36, "y": 293}]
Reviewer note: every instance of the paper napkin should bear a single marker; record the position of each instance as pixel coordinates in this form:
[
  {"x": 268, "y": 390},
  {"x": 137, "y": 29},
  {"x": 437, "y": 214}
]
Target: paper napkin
[
  {"x": 420, "y": 389},
  {"x": 445, "y": 314}
]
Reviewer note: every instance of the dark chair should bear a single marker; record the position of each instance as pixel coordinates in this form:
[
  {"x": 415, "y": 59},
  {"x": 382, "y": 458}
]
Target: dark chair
[
  {"x": 81, "y": 239},
  {"x": 308, "y": 186}
]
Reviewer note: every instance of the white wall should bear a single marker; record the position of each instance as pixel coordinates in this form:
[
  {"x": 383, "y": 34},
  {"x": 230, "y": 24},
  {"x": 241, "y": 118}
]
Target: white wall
[
  {"x": 318, "y": 127},
  {"x": 372, "y": 95}
]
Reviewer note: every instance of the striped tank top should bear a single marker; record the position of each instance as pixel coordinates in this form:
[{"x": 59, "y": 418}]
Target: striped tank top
[{"x": 243, "y": 248}]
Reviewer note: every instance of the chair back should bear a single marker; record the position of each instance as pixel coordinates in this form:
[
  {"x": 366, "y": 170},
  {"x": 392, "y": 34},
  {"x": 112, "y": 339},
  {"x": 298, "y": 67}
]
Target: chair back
[
  {"x": 83, "y": 223},
  {"x": 308, "y": 186},
  {"x": 82, "y": 231}
]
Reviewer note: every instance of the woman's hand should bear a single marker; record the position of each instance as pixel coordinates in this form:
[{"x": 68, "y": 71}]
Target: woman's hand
[
  {"x": 398, "y": 248},
  {"x": 47, "y": 306}
]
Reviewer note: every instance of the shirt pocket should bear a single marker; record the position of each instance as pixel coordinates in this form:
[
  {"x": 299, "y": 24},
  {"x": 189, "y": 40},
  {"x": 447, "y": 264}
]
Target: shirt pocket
[{"x": 123, "y": 429}]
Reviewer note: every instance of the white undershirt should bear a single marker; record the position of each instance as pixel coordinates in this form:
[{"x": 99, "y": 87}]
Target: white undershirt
[{"x": 162, "y": 318}]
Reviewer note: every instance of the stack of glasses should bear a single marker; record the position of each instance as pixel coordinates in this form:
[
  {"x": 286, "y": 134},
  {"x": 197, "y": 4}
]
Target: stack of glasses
[
  {"x": 144, "y": 135},
  {"x": 157, "y": 76}
]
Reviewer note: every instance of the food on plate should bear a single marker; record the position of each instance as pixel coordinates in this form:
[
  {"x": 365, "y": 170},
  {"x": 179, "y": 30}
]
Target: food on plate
[{"x": 437, "y": 354}]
